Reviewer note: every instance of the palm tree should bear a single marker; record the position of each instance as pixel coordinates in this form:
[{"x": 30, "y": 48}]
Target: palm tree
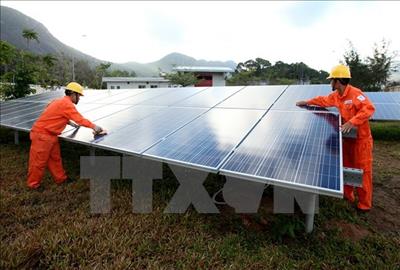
[
  {"x": 49, "y": 60},
  {"x": 30, "y": 34}
]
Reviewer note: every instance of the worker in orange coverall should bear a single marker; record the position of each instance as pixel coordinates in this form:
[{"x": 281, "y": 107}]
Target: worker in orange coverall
[
  {"x": 355, "y": 109},
  {"x": 45, "y": 149}
]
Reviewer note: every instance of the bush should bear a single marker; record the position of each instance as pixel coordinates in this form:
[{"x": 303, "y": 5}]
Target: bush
[{"x": 386, "y": 131}]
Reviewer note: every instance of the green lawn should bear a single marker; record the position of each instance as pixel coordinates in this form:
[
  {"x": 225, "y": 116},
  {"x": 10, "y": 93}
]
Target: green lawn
[{"x": 54, "y": 229}]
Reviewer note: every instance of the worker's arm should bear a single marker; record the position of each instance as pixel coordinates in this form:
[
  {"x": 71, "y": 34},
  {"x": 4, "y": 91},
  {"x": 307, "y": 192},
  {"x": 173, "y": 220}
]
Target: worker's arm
[
  {"x": 365, "y": 110},
  {"x": 71, "y": 113},
  {"x": 323, "y": 101}
]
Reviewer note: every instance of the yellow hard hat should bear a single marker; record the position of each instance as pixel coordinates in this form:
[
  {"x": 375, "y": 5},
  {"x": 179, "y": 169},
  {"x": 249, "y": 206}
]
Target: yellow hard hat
[
  {"x": 340, "y": 71},
  {"x": 75, "y": 87}
]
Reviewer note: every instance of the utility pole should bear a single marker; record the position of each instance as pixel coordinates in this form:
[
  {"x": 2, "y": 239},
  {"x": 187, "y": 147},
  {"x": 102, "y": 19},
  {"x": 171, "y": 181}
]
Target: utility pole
[{"x": 73, "y": 68}]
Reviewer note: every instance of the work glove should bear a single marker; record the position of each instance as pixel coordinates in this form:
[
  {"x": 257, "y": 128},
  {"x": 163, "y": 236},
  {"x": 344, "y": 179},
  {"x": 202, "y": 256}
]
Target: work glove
[
  {"x": 97, "y": 130},
  {"x": 72, "y": 124}
]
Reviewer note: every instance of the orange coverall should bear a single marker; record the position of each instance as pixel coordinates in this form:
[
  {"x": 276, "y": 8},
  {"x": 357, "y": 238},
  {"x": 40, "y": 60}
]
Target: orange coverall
[
  {"x": 355, "y": 107},
  {"x": 45, "y": 149}
]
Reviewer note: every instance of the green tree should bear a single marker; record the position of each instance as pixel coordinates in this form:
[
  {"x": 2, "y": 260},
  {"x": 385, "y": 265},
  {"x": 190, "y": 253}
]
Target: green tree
[
  {"x": 371, "y": 73},
  {"x": 100, "y": 72},
  {"x": 379, "y": 65},
  {"x": 30, "y": 34},
  {"x": 182, "y": 78}
]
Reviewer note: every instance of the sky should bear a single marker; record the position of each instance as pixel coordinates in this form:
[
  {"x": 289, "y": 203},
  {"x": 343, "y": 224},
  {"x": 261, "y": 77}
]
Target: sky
[{"x": 316, "y": 33}]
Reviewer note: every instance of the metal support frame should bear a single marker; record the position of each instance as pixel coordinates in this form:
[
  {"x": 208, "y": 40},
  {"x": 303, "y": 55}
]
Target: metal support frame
[
  {"x": 352, "y": 177},
  {"x": 16, "y": 137},
  {"x": 309, "y": 221}
]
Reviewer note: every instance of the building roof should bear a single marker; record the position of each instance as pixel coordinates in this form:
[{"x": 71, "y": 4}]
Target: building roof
[
  {"x": 134, "y": 79},
  {"x": 203, "y": 69}
]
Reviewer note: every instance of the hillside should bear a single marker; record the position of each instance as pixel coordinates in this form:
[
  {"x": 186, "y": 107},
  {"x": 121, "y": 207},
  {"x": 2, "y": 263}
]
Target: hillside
[
  {"x": 12, "y": 23},
  {"x": 166, "y": 64}
]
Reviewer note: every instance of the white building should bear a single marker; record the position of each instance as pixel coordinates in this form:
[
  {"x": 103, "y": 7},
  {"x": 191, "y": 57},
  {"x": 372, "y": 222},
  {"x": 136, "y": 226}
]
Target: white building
[
  {"x": 135, "y": 82},
  {"x": 209, "y": 76}
]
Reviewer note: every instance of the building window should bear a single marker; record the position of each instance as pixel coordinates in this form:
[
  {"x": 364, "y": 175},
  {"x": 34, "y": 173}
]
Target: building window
[
  {"x": 142, "y": 86},
  {"x": 112, "y": 87},
  {"x": 118, "y": 87},
  {"x": 128, "y": 82},
  {"x": 153, "y": 86}
]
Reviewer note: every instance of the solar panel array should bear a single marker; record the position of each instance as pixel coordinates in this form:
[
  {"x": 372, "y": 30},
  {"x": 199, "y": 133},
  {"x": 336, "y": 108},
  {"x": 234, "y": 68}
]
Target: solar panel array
[
  {"x": 387, "y": 105},
  {"x": 253, "y": 132}
]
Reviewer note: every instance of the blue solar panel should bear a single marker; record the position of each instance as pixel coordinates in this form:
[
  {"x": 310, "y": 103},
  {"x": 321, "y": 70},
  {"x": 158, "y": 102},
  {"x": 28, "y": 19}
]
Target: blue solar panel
[
  {"x": 15, "y": 107},
  {"x": 254, "y": 97},
  {"x": 380, "y": 97},
  {"x": 210, "y": 97},
  {"x": 292, "y": 149},
  {"x": 395, "y": 96},
  {"x": 138, "y": 136},
  {"x": 112, "y": 123},
  {"x": 21, "y": 110},
  {"x": 386, "y": 111},
  {"x": 23, "y": 121},
  {"x": 294, "y": 93},
  {"x": 205, "y": 142},
  {"x": 44, "y": 97}
]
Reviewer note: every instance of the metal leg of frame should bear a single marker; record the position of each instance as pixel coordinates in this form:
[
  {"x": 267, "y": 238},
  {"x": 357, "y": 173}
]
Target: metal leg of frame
[
  {"x": 16, "y": 137},
  {"x": 310, "y": 213},
  {"x": 92, "y": 154}
]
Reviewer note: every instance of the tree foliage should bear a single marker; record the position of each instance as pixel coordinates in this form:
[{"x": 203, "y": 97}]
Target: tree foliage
[
  {"x": 19, "y": 69},
  {"x": 182, "y": 78},
  {"x": 30, "y": 34},
  {"x": 371, "y": 73},
  {"x": 261, "y": 71}
]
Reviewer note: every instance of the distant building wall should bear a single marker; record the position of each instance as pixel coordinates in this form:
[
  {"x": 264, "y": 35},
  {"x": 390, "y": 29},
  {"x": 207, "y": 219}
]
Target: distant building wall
[
  {"x": 135, "y": 82},
  {"x": 135, "y": 85},
  {"x": 218, "y": 79}
]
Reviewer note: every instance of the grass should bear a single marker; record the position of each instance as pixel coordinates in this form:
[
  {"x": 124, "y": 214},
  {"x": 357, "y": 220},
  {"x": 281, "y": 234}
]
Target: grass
[{"x": 54, "y": 229}]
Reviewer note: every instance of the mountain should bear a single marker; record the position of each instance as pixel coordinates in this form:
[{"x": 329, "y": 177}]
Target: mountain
[
  {"x": 12, "y": 23},
  {"x": 166, "y": 64}
]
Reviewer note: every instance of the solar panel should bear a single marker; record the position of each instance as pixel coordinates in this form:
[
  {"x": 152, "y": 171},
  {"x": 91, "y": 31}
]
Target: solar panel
[
  {"x": 380, "y": 97},
  {"x": 395, "y": 96},
  {"x": 117, "y": 95},
  {"x": 292, "y": 149},
  {"x": 386, "y": 111},
  {"x": 140, "y": 135},
  {"x": 12, "y": 107},
  {"x": 21, "y": 110},
  {"x": 210, "y": 98},
  {"x": 174, "y": 97},
  {"x": 112, "y": 122},
  {"x": 91, "y": 96},
  {"x": 294, "y": 93},
  {"x": 43, "y": 97},
  {"x": 254, "y": 97},
  {"x": 205, "y": 142},
  {"x": 23, "y": 121},
  {"x": 9, "y": 105},
  {"x": 146, "y": 95}
]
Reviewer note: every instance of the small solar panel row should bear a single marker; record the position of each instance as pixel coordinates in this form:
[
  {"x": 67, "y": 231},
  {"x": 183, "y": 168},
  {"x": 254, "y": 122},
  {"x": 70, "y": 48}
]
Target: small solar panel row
[{"x": 387, "y": 105}]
